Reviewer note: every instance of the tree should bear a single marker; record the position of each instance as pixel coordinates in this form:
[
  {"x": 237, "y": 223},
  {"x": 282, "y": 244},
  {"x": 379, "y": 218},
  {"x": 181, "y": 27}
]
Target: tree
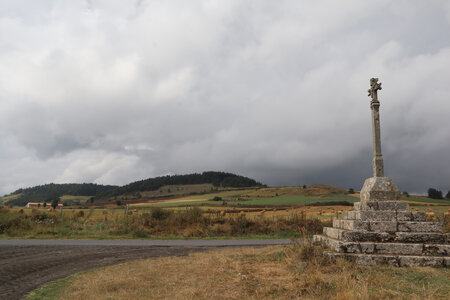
[
  {"x": 406, "y": 194},
  {"x": 55, "y": 202},
  {"x": 45, "y": 204},
  {"x": 434, "y": 194},
  {"x": 448, "y": 195},
  {"x": 119, "y": 203},
  {"x": 351, "y": 191}
]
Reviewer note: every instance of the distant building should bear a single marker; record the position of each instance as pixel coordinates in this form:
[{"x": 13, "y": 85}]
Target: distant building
[{"x": 37, "y": 204}]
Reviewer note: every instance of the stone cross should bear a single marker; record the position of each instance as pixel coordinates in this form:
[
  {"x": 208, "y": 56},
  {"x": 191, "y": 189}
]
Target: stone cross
[{"x": 377, "y": 163}]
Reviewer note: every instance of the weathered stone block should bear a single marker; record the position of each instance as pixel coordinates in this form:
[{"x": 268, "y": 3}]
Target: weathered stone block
[
  {"x": 383, "y": 226},
  {"x": 393, "y": 260},
  {"x": 382, "y": 205},
  {"x": 370, "y": 260},
  {"x": 419, "y": 216},
  {"x": 404, "y": 216},
  {"x": 366, "y": 236},
  {"x": 393, "y": 205},
  {"x": 398, "y": 248},
  {"x": 354, "y": 247},
  {"x": 377, "y": 215},
  {"x": 419, "y": 227},
  {"x": 379, "y": 189},
  {"x": 436, "y": 250},
  {"x": 350, "y": 215},
  {"x": 420, "y": 237},
  {"x": 351, "y": 224},
  {"x": 409, "y": 261},
  {"x": 447, "y": 262},
  {"x": 334, "y": 233}
]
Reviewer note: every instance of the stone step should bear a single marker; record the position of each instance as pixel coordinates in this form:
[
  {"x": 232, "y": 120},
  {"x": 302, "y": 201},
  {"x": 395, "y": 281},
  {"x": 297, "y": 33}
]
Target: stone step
[
  {"x": 394, "y": 205},
  {"x": 388, "y": 226},
  {"x": 376, "y": 215},
  {"x": 385, "y": 248},
  {"x": 387, "y": 237},
  {"x": 393, "y": 260}
]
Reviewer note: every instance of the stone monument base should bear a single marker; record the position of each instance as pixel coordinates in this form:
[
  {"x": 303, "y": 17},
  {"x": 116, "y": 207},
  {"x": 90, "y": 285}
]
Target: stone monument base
[{"x": 386, "y": 232}]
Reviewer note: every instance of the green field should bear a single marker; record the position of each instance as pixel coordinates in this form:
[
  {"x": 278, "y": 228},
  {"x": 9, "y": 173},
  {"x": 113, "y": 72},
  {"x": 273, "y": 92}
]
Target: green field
[
  {"x": 273, "y": 201},
  {"x": 296, "y": 200},
  {"x": 427, "y": 200},
  {"x": 169, "y": 204}
]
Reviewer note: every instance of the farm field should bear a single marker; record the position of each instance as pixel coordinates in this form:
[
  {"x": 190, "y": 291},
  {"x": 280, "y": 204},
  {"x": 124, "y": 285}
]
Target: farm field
[
  {"x": 425, "y": 200},
  {"x": 231, "y": 213}
]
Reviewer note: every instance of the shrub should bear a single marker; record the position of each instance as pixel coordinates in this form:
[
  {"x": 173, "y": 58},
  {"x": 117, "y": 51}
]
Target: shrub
[
  {"x": 160, "y": 214},
  {"x": 243, "y": 223},
  {"x": 448, "y": 195},
  {"x": 217, "y": 198},
  {"x": 194, "y": 215},
  {"x": 351, "y": 191},
  {"x": 55, "y": 202}
]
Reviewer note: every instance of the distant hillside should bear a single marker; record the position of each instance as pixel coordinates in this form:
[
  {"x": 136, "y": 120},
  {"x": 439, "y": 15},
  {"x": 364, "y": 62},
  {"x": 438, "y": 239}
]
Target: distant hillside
[
  {"x": 218, "y": 179},
  {"x": 47, "y": 192}
]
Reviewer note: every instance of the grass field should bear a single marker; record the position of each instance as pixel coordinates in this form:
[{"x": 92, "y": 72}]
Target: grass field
[
  {"x": 296, "y": 200},
  {"x": 265, "y": 208},
  {"x": 253, "y": 197},
  {"x": 4, "y": 200},
  {"x": 419, "y": 199},
  {"x": 277, "y": 272},
  {"x": 152, "y": 223}
]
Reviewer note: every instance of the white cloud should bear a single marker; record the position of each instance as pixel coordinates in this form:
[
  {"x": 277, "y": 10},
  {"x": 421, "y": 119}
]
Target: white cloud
[{"x": 111, "y": 92}]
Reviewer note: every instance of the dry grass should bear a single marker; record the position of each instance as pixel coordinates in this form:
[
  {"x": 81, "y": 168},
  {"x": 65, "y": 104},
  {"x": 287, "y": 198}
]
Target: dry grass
[
  {"x": 155, "y": 222},
  {"x": 278, "y": 272}
]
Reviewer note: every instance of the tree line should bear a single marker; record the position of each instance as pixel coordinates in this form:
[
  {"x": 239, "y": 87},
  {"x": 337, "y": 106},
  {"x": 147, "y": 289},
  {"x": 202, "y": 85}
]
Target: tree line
[
  {"x": 50, "y": 192},
  {"x": 437, "y": 194},
  {"x": 218, "y": 179}
]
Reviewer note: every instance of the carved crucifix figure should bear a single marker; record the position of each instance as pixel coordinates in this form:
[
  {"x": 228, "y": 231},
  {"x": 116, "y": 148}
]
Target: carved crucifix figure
[{"x": 377, "y": 163}]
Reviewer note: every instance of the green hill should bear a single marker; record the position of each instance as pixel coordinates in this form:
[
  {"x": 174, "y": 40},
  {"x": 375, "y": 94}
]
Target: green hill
[
  {"x": 67, "y": 192},
  {"x": 47, "y": 192},
  {"x": 217, "y": 179}
]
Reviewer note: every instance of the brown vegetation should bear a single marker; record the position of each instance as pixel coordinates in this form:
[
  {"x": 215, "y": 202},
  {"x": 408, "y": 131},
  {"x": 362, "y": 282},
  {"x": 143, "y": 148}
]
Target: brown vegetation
[
  {"x": 155, "y": 222},
  {"x": 281, "y": 272}
]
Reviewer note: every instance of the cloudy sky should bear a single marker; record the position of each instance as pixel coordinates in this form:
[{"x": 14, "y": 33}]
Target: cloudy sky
[{"x": 115, "y": 91}]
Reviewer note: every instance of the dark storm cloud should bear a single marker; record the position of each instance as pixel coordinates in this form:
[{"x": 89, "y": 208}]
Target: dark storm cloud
[{"x": 111, "y": 92}]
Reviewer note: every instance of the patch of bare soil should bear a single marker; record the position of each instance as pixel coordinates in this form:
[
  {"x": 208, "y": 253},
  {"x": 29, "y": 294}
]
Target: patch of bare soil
[{"x": 25, "y": 268}]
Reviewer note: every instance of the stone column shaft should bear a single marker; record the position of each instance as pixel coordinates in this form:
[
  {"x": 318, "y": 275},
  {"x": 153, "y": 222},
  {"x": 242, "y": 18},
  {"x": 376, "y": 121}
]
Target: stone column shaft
[{"x": 377, "y": 163}]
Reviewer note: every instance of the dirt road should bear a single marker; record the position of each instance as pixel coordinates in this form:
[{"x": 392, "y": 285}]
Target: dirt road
[{"x": 27, "y": 264}]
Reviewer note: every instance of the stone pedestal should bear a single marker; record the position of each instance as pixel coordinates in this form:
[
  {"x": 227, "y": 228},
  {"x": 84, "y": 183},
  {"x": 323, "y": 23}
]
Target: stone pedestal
[
  {"x": 379, "y": 189},
  {"x": 382, "y": 230}
]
